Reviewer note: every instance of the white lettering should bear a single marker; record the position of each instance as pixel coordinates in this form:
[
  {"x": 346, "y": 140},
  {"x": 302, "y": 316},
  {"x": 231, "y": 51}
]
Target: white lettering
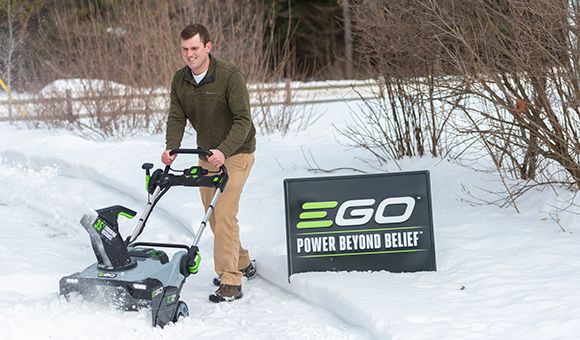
[
  {"x": 331, "y": 245},
  {"x": 317, "y": 244},
  {"x": 377, "y": 238},
  {"x": 402, "y": 240},
  {"x": 382, "y": 219},
  {"x": 359, "y": 212},
  {"x": 365, "y": 214},
  {"x": 388, "y": 242},
  {"x": 369, "y": 241},
  {"x": 362, "y": 243},
  {"x": 348, "y": 242}
]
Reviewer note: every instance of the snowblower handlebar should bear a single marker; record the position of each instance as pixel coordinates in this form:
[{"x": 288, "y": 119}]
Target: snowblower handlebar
[
  {"x": 197, "y": 151},
  {"x": 193, "y": 176},
  {"x": 194, "y": 151}
]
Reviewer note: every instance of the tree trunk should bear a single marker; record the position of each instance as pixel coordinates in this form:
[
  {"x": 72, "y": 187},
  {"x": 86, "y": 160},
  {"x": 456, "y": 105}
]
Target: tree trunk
[{"x": 347, "y": 39}]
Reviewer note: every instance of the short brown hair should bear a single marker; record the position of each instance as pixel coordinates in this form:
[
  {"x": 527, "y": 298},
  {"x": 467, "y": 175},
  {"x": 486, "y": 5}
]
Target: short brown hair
[{"x": 192, "y": 29}]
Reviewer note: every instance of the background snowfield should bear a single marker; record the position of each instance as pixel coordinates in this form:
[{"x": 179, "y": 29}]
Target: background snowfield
[{"x": 500, "y": 274}]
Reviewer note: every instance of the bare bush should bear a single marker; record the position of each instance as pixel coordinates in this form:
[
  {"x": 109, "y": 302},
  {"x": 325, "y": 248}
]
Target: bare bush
[
  {"x": 516, "y": 62},
  {"x": 98, "y": 107},
  {"x": 520, "y": 56},
  {"x": 410, "y": 113},
  {"x": 136, "y": 44},
  {"x": 406, "y": 118}
]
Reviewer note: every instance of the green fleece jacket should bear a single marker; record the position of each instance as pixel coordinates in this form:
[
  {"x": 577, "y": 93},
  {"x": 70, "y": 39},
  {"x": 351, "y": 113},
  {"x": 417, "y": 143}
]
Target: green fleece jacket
[{"x": 218, "y": 108}]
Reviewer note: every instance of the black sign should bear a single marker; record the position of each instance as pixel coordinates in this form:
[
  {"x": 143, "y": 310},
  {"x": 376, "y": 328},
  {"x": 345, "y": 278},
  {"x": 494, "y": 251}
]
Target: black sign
[{"x": 363, "y": 222}]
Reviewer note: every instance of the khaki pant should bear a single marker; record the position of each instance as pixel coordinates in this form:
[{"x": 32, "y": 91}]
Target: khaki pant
[{"x": 229, "y": 255}]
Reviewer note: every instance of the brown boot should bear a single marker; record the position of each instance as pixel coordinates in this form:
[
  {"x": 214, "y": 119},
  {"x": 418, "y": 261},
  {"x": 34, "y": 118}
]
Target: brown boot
[
  {"x": 226, "y": 293},
  {"x": 249, "y": 272}
]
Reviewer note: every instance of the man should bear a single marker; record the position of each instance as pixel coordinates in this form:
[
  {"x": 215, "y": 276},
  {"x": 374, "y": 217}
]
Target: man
[{"x": 213, "y": 96}]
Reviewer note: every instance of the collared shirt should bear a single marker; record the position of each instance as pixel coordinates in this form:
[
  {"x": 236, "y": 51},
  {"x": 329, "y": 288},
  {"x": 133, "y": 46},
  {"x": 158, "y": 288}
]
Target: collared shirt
[{"x": 200, "y": 77}]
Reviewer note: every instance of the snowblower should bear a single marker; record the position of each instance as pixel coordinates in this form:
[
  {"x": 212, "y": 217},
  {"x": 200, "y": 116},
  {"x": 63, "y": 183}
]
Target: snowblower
[{"x": 134, "y": 275}]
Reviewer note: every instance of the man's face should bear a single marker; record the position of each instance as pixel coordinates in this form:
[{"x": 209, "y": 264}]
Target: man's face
[{"x": 195, "y": 54}]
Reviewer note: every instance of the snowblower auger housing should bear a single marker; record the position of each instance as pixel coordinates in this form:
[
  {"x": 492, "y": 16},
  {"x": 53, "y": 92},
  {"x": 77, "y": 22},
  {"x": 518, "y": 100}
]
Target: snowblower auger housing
[{"x": 135, "y": 275}]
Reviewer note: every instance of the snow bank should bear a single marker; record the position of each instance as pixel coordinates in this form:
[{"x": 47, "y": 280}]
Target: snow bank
[{"x": 501, "y": 275}]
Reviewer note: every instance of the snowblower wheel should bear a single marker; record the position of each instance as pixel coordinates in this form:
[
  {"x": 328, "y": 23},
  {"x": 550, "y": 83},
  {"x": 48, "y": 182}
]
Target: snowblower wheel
[{"x": 181, "y": 311}]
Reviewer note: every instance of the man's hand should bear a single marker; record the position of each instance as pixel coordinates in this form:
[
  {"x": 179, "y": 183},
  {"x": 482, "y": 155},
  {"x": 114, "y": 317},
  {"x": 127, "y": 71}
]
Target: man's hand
[
  {"x": 217, "y": 159},
  {"x": 166, "y": 158}
]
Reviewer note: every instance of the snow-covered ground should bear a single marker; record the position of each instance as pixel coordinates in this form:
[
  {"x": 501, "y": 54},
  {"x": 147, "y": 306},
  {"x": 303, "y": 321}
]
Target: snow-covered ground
[{"x": 500, "y": 274}]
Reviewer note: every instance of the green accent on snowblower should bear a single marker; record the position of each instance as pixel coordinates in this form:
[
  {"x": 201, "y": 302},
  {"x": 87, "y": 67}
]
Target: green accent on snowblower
[
  {"x": 125, "y": 214},
  {"x": 99, "y": 224},
  {"x": 193, "y": 171},
  {"x": 157, "y": 292},
  {"x": 195, "y": 268},
  {"x": 154, "y": 253},
  {"x": 147, "y": 178}
]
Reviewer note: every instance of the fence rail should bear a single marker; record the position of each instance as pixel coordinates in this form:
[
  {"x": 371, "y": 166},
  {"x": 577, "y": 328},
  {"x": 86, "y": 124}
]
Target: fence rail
[{"x": 76, "y": 103}]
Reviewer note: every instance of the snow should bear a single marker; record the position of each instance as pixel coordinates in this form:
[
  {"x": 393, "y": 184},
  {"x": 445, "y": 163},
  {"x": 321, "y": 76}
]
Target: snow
[
  {"x": 500, "y": 274},
  {"x": 80, "y": 86}
]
